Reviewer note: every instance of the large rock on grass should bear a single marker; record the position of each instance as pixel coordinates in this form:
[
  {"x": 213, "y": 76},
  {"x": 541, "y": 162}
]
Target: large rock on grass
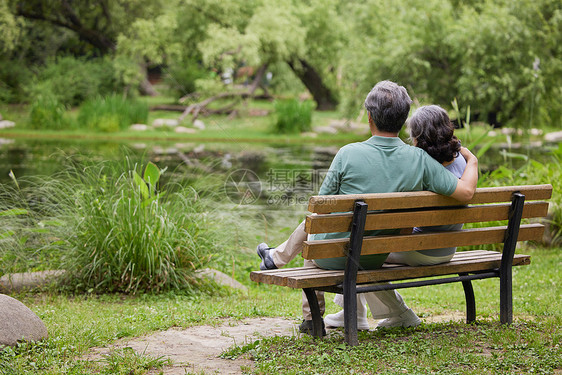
[{"x": 18, "y": 323}]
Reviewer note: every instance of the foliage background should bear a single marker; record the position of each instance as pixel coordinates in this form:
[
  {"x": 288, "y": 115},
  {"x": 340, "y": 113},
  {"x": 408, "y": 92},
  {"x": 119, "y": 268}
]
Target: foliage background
[{"x": 501, "y": 58}]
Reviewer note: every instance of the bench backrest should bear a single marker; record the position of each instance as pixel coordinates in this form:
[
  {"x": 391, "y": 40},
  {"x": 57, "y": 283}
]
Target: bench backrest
[{"x": 416, "y": 209}]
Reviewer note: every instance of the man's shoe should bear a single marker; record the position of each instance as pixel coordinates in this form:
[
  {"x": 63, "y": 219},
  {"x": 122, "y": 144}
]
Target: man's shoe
[
  {"x": 407, "y": 319},
  {"x": 266, "y": 260},
  {"x": 336, "y": 320},
  {"x": 306, "y": 327}
]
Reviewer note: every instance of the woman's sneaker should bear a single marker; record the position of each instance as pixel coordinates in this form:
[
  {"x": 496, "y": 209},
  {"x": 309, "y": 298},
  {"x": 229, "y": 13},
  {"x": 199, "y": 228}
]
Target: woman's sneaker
[
  {"x": 407, "y": 319},
  {"x": 336, "y": 320}
]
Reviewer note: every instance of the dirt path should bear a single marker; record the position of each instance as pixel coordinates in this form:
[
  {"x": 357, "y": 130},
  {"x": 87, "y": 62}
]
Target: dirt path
[{"x": 196, "y": 349}]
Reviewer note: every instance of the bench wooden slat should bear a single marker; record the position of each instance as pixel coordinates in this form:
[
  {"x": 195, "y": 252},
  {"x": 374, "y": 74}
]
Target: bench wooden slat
[
  {"x": 423, "y": 241},
  {"x": 389, "y": 201},
  {"x": 482, "y": 263},
  {"x": 308, "y": 277},
  {"x": 331, "y": 223}
]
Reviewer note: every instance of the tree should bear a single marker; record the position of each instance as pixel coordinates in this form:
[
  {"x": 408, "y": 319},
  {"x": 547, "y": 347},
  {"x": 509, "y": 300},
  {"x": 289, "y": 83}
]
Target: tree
[
  {"x": 96, "y": 23},
  {"x": 9, "y": 28},
  {"x": 501, "y": 58}
]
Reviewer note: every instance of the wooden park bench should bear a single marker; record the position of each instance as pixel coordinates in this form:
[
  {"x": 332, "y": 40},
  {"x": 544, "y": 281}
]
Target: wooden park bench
[{"x": 357, "y": 213}]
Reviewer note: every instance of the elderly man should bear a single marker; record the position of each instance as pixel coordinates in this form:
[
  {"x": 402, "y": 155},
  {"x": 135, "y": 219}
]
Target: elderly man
[{"x": 381, "y": 164}]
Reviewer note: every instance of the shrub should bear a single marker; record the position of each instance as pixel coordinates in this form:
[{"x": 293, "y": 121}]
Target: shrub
[
  {"x": 125, "y": 233},
  {"x": 293, "y": 116},
  {"x": 47, "y": 113},
  {"x": 181, "y": 77},
  {"x": 74, "y": 80},
  {"x": 111, "y": 231},
  {"x": 534, "y": 172},
  {"x": 112, "y": 113},
  {"x": 26, "y": 240},
  {"x": 14, "y": 75}
]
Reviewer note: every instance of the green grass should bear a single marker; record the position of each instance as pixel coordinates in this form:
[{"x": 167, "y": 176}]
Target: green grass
[
  {"x": 218, "y": 128},
  {"x": 531, "y": 345}
]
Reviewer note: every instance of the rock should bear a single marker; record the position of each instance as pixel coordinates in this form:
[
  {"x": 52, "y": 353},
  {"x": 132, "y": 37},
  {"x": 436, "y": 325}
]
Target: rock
[
  {"x": 158, "y": 150},
  {"x": 4, "y": 124},
  {"x": 198, "y": 124},
  {"x": 16, "y": 282},
  {"x": 19, "y": 323},
  {"x": 508, "y": 131},
  {"x": 225, "y": 162},
  {"x": 199, "y": 149},
  {"x": 139, "y": 127},
  {"x": 553, "y": 137},
  {"x": 535, "y": 131},
  {"x": 326, "y": 129},
  {"x": 309, "y": 134},
  {"x": 4, "y": 141},
  {"x": 159, "y": 122},
  {"x": 184, "y": 130},
  {"x": 221, "y": 278}
]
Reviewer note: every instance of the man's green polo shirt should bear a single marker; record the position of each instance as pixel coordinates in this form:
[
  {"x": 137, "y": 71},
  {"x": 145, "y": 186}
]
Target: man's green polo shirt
[{"x": 381, "y": 165}]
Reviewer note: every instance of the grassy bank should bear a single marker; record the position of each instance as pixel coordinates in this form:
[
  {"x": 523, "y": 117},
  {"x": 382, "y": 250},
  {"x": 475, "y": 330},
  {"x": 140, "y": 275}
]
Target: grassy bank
[
  {"x": 531, "y": 345},
  {"x": 255, "y": 123}
]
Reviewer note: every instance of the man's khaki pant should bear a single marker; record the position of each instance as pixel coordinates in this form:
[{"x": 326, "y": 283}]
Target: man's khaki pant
[{"x": 286, "y": 252}]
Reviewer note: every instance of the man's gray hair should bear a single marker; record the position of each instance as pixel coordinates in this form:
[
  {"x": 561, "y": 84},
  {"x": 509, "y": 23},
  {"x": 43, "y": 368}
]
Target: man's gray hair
[{"x": 389, "y": 105}]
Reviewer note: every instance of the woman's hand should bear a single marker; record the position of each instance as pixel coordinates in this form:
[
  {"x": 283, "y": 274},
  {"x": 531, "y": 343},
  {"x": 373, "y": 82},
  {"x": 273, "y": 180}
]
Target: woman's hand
[{"x": 467, "y": 155}]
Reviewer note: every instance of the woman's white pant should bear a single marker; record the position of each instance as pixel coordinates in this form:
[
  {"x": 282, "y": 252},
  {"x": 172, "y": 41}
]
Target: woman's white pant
[{"x": 388, "y": 303}]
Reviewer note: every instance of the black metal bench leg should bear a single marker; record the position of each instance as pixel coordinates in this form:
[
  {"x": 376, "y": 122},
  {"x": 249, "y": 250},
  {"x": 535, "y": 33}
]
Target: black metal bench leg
[
  {"x": 315, "y": 311},
  {"x": 509, "y": 243},
  {"x": 470, "y": 301},
  {"x": 350, "y": 315},
  {"x": 506, "y": 297}
]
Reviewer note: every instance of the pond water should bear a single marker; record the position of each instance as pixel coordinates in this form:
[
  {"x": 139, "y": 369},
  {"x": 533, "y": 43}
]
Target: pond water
[
  {"x": 250, "y": 173},
  {"x": 278, "y": 168}
]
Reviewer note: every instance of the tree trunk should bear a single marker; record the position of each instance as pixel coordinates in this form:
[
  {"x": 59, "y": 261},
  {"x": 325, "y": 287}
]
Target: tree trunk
[
  {"x": 325, "y": 99},
  {"x": 145, "y": 86}
]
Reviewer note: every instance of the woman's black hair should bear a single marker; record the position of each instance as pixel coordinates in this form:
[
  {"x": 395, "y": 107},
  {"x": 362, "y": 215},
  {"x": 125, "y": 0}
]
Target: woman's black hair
[{"x": 432, "y": 130}]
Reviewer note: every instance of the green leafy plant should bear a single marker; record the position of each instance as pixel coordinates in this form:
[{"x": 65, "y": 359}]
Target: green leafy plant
[
  {"x": 112, "y": 113},
  {"x": 125, "y": 234},
  {"x": 73, "y": 80},
  {"x": 534, "y": 172},
  {"x": 479, "y": 143},
  {"x": 26, "y": 230},
  {"x": 47, "y": 113},
  {"x": 293, "y": 116}
]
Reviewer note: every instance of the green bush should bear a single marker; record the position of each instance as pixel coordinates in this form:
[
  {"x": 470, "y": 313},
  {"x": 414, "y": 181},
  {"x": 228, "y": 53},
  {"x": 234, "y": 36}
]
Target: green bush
[
  {"x": 531, "y": 173},
  {"x": 47, "y": 113},
  {"x": 14, "y": 75},
  {"x": 26, "y": 238},
  {"x": 112, "y": 113},
  {"x": 74, "y": 80},
  {"x": 126, "y": 233},
  {"x": 180, "y": 77},
  {"x": 111, "y": 231},
  {"x": 293, "y": 116}
]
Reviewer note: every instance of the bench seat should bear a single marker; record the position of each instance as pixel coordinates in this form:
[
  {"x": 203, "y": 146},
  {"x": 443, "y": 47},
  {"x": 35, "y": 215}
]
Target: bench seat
[{"x": 312, "y": 277}]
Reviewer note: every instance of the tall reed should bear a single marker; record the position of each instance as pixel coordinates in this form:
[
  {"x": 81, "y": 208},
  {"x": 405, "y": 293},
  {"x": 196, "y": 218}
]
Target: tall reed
[
  {"x": 112, "y": 228},
  {"x": 127, "y": 234},
  {"x": 112, "y": 113},
  {"x": 293, "y": 116}
]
